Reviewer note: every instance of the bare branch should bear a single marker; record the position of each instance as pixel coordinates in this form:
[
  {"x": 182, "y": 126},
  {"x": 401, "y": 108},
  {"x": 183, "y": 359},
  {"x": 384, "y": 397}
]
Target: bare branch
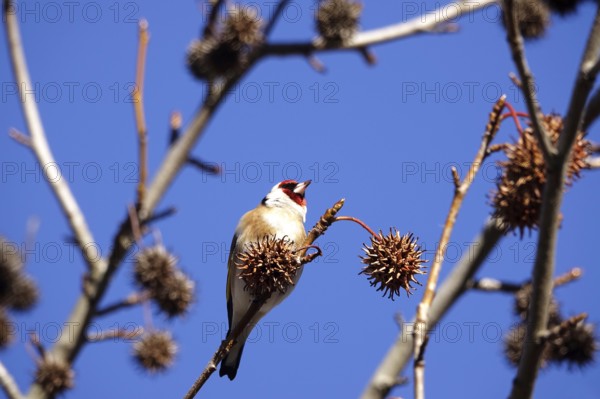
[
  {"x": 460, "y": 191},
  {"x": 455, "y": 285},
  {"x": 517, "y": 48},
  {"x": 138, "y": 106},
  {"x": 493, "y": 285},
  {"x": 40, "y": 146},
  {"x": 584, "y": 83},
  {"x": 8, "y": 384},
  {"x": 116, "y": 334},
  {"x": 422, "y": 24},
  {"x": 543, "y": 270},
  {"x": 133, "y": 299}
]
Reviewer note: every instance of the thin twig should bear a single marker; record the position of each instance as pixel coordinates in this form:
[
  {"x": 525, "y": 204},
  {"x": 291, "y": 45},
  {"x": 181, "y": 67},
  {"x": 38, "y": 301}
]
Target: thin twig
[
  {"x": 358, "y": 221},
  {"x": 19, "y": 137},
  {"x": 593, "y": 163},
  {"x": 323, "y": 224},
  {"x": 515, "y": 79},
  {"x": 455, "y": 285},
  {"x": 459, "y": 194},
  {"x": 175, "y": 125},
  {"x": 543, "y": 268},
  {"x": 210, "y": 29},
  {"x": 572, "y": 275},
  {"x": 116, "y": 334},
  {"x": 592, "y": 111},
  {"x": 493, "y": 285},
  {"x": 138, "y": 106},
  {"x": 275, "y": 17},
  {"x": 37, "y": 344},
  {"x": 160, "y": 215},
  {"x": 561, "y": 328},
  {"x": 8, "y": 384},
  {"x": 528, "y": 82},
  {"x": 225, "y": 347},
  {"x": 133, "y": 299}
]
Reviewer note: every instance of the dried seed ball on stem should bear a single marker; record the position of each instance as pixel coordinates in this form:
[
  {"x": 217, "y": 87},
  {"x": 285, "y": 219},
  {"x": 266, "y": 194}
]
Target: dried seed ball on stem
[
  {"x": 576, "y": 345},
  {"x": 175, "y": 295},
  {"x": 392, "y": 262},
  {"x": 155, "y": 351},
  {"x": 54, "y": 376},
  {"x": 153, "y": 266},
  {"x": 337, "y": 20},
  {"x": 268, "y": 266}
]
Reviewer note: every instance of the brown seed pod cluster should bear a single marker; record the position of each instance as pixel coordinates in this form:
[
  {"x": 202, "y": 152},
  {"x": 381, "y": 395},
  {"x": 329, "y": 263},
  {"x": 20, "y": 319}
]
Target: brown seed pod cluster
[
  {"x": 337, "y": 20},
  {"x": 533, "y": 18},
  {"x": 18, "y": 291},
  {"x": 517, "y": 199},
  {"x": 156, "y": 271},
  {"x": 6, "y": 329},
  {"x": 155, "y": 351},
  {"x": 521, "y": 305},
  {"x": 392, "y": 262},
  {"x": 54, "y": 376},
  {"x": 574, "y": 345},
  {"x": 268, "y": 266},
  {"x": 227, "y": 50}
]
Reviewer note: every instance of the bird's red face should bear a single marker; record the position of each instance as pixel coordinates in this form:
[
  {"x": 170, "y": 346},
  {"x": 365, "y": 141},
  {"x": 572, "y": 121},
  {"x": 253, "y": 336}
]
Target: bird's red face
[{"x": 294, "y": 190}]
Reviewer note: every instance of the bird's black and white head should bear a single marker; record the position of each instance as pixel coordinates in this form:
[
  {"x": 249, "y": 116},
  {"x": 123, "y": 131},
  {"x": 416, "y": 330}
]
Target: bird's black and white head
[{"x": 288, "y": 194}]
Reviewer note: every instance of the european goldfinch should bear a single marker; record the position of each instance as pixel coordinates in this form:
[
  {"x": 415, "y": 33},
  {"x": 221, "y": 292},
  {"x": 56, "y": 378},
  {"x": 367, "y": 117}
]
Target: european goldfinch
[{"x": 281, "y": 213}]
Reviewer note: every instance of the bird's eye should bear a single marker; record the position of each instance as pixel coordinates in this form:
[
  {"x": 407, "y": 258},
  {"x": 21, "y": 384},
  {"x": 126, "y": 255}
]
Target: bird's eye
[{"x": 288, "y": 185}]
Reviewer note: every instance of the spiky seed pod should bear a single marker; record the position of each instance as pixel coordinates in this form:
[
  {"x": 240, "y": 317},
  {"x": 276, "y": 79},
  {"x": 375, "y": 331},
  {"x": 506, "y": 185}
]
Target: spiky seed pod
[
  {"x": 176, "y": 294},
  {"x": 533, "y": 18},
  {"x": 242, "y": 27},
  {"x": 210, "y": 58},
  {"x": 54, "y": 376},
  {"x": 513, "y": 346},
  {"x": 518, "y": 197},
  {"x": 268, "y": 266},
  {"x": 153, "y": 266},
  {"x": 6, "y": 329},
  {"x": 392, "y": 262},
  {"x": 563, "y": 7},
  {"x": 155, "y": 351},
  {"x": 337, "y": 20},
  {"x": 24, "y": 293},
  {"x": 521, "y": 305},
  {"x": 576, "y": 346},
  {"x": 11, "y": 265}
]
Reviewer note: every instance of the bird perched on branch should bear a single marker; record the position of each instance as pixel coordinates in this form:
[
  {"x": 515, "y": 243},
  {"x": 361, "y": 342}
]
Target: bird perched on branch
[{"x": 281, "y": 214}]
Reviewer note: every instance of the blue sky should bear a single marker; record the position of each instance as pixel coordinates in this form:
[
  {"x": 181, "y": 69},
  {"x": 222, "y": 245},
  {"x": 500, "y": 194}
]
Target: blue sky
[{"x": 384, "y": 137}]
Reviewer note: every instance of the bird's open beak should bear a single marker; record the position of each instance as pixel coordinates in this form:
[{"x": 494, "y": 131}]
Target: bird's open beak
[{"x": 301, "y": 187}]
